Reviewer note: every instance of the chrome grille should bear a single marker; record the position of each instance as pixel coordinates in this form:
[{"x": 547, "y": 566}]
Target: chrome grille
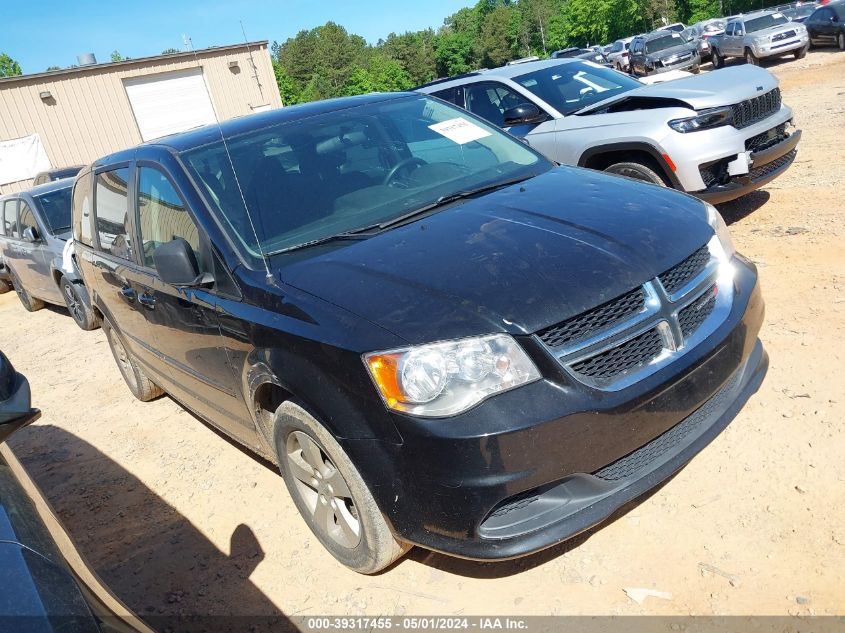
[
  {"x": 753, "y": 110},
  {"x": 631, "y": 354},
  {"x": 678, "y": 276},
  {"x": 624, "y": 340},
  {"x": 783, "y": 36},
  {"x": 587, "y": 323}
]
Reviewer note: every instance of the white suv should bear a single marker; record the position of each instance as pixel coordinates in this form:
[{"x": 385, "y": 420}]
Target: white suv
[{"x": 718, "y": 136}]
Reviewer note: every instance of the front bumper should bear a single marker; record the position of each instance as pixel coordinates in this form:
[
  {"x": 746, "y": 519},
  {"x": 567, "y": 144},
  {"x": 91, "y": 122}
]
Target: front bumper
[
  {"x": 766, "y": 165},
  {"x": 663, "y": 67},
  {"x": 535, "y": 466},
  {"x": 775, "y": 49}
]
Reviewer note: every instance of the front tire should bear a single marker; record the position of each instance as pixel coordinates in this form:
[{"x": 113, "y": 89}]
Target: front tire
[
  {"x": 5, "y": 286},
  {"x": 841, "y": 40},
  {"x": 138, "y": 382},
  {"x": 330, "y": 494},
  {"x": 696, "y": 69},
  {"x": 82, "y": 313},
  {"x": 718, "y": 61},
  {"x": 637, "y": 171},
  {"x": 751, "y": 58},
  {"x": 29, "y": 303},
  {"x": 801, "y": 53}
]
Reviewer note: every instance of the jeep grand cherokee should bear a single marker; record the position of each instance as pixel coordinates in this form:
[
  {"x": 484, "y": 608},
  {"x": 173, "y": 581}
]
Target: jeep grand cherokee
[{"x": 441, "y": 338}]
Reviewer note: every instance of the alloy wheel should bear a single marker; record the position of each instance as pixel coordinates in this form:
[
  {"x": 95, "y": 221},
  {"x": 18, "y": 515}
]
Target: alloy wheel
[
  {"x": 323, "y": 490},
  {"x": 124, "y": 363},
  {"x": 73, "y": 304}
]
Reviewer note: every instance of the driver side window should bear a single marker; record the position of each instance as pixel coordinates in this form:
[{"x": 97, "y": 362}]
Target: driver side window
[{"x": 491, "y": 100}]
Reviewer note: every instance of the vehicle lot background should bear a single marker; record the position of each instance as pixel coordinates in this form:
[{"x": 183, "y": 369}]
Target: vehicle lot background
[{"x": 177, "y": 520}]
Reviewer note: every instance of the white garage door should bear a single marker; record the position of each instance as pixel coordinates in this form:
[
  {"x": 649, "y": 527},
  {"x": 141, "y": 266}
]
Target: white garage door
[{"x": 170, "y": 102}]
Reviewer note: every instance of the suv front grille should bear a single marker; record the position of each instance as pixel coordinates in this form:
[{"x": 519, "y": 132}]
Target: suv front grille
[
  {"x": 622, "y": 341},
  {"x": 632, "y": 354},
  {"x": 676, "y": 277},
  {"x": 592, "y": 321},
  {"x": 767, "y": 139},
  {"x": 783, "y": 36},
  {"x": 753, "y": 110},
  {"x": 764, "y": 170}
]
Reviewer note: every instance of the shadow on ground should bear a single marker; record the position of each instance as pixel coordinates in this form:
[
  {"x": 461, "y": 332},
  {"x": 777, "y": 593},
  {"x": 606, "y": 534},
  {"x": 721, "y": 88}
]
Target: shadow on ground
[
  {"x": 736, "y": 210},
  {"x": 145, "y": 551}
]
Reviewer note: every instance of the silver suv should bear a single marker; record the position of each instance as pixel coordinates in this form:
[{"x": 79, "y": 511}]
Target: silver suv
[
  {"x": 759, "y": 35},
  {"x": 718, "y": 136}
]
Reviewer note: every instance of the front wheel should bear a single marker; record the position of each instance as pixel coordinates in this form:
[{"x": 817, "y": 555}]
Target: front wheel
[
  {"x": 136, "y": 379},
  {"x": 5, "y": 286},
  {"x": 29, "y": 303},
  {"x": 82, "y": 313},
  {"x": 751, "y": 58},
  {"x": 841, "y": 40},
  {"x": 718, "y": 61},
  {"x": 637, "y": 171},
  {"x": 330, "y": 494},
  {"x": 801, "y": 53}
]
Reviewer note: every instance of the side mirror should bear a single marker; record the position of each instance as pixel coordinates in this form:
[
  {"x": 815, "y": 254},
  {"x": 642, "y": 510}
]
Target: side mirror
[
  {"x": 177, "y": 265},
  {"x": 30, "y": 234},
  {"x": 522, "y": 114}
]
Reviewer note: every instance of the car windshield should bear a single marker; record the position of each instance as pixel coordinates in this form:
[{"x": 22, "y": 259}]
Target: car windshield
[
  {"x": 801, "y": 12},
  {"x": 765, "y": 22},
  {"x": 319, "y": 177},
  {"x": 55, "y": 209},
  {"x": 664, "y": 42},
  {"x": 568, "y": 87}
]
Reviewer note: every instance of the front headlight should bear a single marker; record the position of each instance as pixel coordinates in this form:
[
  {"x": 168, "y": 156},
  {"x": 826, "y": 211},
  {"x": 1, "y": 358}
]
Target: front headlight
[
  {"x": 714, "y": 218},
  {"x": 447, "y": 378},
  {"x": 704, "y": 120}
]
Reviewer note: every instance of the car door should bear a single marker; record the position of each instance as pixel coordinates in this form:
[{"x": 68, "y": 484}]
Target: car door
[
  {"x": 826, "y": 27},
  {"x": 184, "y": 320},
  {"x": 8, "y": 218},
  {"x": 735, "y": 41},
  {"x": 34, "y": 269}
]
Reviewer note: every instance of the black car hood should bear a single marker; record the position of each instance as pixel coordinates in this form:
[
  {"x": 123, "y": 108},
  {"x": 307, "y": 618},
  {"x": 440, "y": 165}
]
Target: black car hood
[{"x": 515, "y": 260}]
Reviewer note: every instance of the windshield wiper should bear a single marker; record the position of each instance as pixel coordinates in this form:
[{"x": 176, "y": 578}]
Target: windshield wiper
[
  {"x": 354, "y": 234},
  {"x": 452, "y": 197}
]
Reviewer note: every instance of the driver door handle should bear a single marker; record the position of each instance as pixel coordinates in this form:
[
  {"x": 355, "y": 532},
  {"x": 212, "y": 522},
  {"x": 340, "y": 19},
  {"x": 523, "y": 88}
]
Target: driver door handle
[
  {"x": 128, "y": 293},
  {"x": 147, "y": 300}
]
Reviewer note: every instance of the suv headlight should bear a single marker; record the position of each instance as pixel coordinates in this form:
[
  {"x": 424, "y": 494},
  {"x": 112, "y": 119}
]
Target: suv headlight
[
  {"x": 704, "y": 120},
  {"x": 715, "y": 220},
  {"x": 441, "y": 379}
]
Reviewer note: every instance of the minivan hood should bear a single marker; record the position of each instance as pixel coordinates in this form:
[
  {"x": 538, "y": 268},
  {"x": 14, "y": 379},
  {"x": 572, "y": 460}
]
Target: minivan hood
[
  {"x": 515, "y": 260},
  {"x": 721, "y": 87}
]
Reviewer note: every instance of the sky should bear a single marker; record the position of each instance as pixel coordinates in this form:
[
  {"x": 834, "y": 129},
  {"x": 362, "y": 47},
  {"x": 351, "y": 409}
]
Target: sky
[{"x": 53, "y": 32}]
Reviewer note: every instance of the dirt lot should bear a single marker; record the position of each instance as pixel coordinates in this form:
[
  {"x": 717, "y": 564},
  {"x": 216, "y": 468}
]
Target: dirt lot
[{"x": 179, "y": 521}]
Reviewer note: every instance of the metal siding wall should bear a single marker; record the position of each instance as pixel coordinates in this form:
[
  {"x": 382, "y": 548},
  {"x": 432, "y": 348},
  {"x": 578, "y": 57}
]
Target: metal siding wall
[{"x": 91, "y": 116}]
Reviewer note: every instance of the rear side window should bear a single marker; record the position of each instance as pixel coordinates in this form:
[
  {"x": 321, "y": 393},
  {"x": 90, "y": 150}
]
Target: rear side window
[
  {"x": 10, "y": 220},
  {"x": 27, "y": 219},
  {"x": 82, "y": 210},
  {"x": 112, "y": 213},
  {"x": 162, "y": 215},
  {"x": 452, "y": 95}
]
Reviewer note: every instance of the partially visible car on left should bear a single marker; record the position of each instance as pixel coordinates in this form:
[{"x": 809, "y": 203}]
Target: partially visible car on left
[{"x": 59, "y": 173}]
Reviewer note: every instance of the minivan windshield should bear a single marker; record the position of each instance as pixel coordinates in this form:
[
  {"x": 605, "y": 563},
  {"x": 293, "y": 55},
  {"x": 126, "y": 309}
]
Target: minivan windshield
[
  {"x": 306, "y": 180},
  {"x": 571, "y": 86},
  {"x": 55, "y": 209},
  {"x": 662, "y": 43},
  {"x": 764, "y": 22}
]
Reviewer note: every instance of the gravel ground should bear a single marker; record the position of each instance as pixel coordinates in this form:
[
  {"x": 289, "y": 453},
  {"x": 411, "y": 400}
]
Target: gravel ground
[{"x": 177, "y": 520}]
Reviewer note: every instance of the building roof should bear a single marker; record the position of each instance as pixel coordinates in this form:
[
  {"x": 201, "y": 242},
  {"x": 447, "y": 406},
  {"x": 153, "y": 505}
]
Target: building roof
[{"x": 110, "y": 66}]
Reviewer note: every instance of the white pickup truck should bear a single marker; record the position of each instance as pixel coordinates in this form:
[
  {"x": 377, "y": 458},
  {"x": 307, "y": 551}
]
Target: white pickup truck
[{"x": 759, "y": 35}]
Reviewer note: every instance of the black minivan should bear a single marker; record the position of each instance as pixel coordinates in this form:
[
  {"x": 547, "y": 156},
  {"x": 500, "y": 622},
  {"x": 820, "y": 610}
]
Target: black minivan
[{"x": 442, "y": 338}]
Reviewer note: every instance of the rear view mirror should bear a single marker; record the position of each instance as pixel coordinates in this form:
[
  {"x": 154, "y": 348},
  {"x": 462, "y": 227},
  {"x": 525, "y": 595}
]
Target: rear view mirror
[
  {"x": 522, "y": 114},
  {"x": 30, "y": 234},
  {"x": 177, "y": 265}
]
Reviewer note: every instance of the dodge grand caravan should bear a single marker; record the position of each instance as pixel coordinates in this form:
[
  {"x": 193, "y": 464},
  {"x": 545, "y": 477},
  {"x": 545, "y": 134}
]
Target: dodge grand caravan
[{"x": 441, "y": 338}]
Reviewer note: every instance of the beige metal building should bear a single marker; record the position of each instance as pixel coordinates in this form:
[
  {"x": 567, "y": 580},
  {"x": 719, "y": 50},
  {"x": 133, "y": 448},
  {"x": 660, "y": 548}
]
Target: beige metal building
[{"x": 80, "y": 114}]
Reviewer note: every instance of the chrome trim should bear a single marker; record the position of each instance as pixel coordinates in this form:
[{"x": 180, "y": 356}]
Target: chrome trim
[{"x": 661, "y": 312}]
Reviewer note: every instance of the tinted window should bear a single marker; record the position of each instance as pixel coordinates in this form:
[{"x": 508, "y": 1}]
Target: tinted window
[
  {"x": 490, "y": 100},
  {"x": 570, "y": 87},
  {"x": 162, "y": 216},
  {"x": 10, "y": 219},
  {"x": 55, "y": 210},
  {"x": 112, "y": 213},
  {"x": 452, "y": 95},
  {"x": 26, "y": 218},
  {"x": 765, "y": 22},
  {"x": 82, "y": 210},
  {"x": 425, "y": 150},
  {"x": 617, "y": 46},
  {"x": 662, "y": 43}
]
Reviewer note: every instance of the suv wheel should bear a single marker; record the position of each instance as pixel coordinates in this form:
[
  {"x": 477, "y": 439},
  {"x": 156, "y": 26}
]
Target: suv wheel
[
  {"x": 30, "y": 303},
  {"x": 79, "y": 309},
  {"x": 330, "y": 494},
  {"x": 696, "y": 69},
  {"x": 751, "y": 58},
  {"x": 139, "y": 384},
  {"x": 841, "y": 40},
  {"x": 636, "y": 171},
  {"x": 801, "y": 53}
]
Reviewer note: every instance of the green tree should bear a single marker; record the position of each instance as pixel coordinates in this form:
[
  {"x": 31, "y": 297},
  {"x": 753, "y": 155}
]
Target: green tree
[
  {"x": 170, "y": 51},
  {"x": 9, "y": 67},
  {"x": 52, "y": 68},
  {"x": 415, "y": 53},
  {"x": 495, "y": 42},
  {"x": 287, "y": 88},
  {"x": 116, "y": 56}
]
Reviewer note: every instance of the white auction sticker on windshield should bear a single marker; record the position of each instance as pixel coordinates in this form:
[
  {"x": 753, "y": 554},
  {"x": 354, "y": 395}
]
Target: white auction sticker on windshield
[{"x": 459, "y": 130}]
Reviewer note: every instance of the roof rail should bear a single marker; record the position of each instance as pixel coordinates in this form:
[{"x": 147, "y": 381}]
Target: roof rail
[{"x": 442, "y": 80}]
